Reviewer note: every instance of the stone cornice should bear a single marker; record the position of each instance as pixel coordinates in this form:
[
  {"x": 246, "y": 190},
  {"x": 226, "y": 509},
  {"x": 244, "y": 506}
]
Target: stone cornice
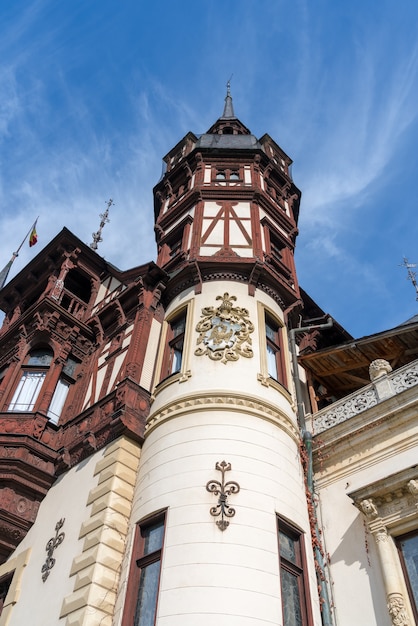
[
  {"x": 220, "y": 401},
  {"x": 390, "y": 502}
]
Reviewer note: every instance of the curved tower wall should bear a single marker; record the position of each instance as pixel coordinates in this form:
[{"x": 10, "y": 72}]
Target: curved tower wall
[{"x": 222, "y": 412}]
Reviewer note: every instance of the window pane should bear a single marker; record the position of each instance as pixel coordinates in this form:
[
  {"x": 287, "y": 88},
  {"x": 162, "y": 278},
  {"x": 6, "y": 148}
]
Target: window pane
[
  {"x": 271, "y": 362},
  {"x": 270, "y": 331},
  {"x": 287, "y": 547},
  {"x": 292, "y": 615},
  {"x": 409, "y": 549},
  {"x": 27, "y": 391},
  {"x": 58, "y": 400},
  {"x": 177, "y": 358},
  {"x": 69, "y": 367},
  {"x": 178, "y": 326},
  {"x": 153, "y": 536},
  {"x": 147, "y": 596},
  {"x": 40, "y": 357}
]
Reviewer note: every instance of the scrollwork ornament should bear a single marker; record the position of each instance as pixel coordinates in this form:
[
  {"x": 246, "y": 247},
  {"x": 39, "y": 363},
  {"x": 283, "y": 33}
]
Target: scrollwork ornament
[
  {"x": 52, "y": 544},
  {"x": 397, "y": 611},
  {"x": 224, "y": 331},
  {"x": 223, "y": 490}
]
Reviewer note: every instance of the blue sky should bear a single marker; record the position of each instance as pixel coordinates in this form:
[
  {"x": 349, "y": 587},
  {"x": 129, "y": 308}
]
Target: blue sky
[{"x": 94, "y": 94}]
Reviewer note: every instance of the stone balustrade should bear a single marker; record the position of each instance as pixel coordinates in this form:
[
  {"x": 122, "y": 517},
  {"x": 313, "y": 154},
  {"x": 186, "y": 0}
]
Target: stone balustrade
[{"x": 382, "y": 388}]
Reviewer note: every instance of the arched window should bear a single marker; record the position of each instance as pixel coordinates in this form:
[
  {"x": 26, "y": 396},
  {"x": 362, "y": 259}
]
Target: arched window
[{"x": 31, "y": 381}]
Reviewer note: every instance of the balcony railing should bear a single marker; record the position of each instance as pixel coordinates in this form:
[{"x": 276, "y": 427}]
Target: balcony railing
[{"x": 382, "y": 388}]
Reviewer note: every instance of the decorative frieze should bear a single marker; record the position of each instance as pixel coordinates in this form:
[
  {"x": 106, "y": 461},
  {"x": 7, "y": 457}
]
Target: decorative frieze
[{"x": 221, "y": 402}]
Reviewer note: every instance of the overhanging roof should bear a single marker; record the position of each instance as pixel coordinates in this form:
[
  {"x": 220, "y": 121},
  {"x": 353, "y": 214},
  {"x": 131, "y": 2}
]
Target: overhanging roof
[{"x": 344, "y": 368}]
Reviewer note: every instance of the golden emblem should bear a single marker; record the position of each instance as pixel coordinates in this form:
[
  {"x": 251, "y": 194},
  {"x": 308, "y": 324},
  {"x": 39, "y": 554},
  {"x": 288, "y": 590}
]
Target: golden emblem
[{"x": 224, "y": 331}]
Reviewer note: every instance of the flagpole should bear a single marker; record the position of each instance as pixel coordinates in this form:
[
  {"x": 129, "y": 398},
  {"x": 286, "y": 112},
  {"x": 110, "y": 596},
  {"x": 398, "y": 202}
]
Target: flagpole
[{"x": 5, "y": 271}]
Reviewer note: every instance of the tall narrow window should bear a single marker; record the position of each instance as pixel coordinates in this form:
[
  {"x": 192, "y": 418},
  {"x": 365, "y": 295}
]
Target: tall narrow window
[
  {"x": 144, "y": 578},
  {"x": 61, "y": 390},
  {"x": 275, "y": 362},
  {"x": 295, "y": 607},
  {"x": 408, "y": 550},
  {"x": 173, "y": 356},
  {"x": 31, "y": 381}
]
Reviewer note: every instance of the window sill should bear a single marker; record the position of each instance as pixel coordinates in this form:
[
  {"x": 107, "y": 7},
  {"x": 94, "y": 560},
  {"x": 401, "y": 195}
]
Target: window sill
[
  {"x": 268, "y": 381},
  {"x": 179, "y": 377}
]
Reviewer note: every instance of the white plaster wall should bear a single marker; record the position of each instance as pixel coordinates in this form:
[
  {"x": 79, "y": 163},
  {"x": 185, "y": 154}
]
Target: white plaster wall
[
  {"x": 40, "y": 602},
  {"x": 210, "y": 576},
  {"x": 355, "y": 566}
]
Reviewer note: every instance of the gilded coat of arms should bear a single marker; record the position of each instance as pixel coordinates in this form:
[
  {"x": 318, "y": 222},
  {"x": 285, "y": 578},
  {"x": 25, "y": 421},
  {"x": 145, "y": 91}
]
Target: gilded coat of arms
[{"x": 224, "y": 331}]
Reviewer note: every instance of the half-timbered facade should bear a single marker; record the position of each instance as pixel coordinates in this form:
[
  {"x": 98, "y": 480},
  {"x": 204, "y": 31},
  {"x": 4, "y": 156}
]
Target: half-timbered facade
[{"x": 194, "y": 440}]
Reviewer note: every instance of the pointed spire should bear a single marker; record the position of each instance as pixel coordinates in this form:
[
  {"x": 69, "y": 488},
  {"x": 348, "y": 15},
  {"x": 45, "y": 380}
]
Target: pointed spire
[{"x": 229, "y": 107}]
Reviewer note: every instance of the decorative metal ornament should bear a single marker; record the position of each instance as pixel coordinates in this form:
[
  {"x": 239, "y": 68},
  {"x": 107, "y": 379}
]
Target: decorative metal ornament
[
  {"x": 224, "y": 332},
  {"x": 52, "y": 544},
  {"x": 223, "y": 490}
]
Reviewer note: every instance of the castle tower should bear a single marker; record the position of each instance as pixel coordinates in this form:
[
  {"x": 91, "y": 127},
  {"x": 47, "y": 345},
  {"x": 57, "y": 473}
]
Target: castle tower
[
  {"x": 149, "y": 415},
  {"x": 219, "y": 515}
]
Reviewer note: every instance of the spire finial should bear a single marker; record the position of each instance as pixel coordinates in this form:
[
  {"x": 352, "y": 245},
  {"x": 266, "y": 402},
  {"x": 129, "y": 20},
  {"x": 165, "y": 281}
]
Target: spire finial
[
  {"x": 104, "y": 218},
  {"x": 228, "y": 108},
  {"x": 412, "y": 276}
]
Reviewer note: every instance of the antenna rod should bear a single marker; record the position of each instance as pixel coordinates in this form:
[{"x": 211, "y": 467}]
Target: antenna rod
[
  {"x": 104, "y": 218},
  {"x": 412, "y": 276}
]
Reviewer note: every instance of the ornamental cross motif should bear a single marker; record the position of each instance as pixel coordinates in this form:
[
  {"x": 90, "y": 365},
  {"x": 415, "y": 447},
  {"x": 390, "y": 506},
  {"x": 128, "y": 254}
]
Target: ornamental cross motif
[
  {"x": 224, "y": 331},
  {"x": 223, "y": 490},
  {"x": 52, "y": 544}
]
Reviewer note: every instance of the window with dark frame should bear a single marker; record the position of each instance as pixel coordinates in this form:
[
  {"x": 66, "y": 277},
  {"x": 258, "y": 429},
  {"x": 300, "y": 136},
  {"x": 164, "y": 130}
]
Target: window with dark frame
[
  {"x": 31, "y": 380},
  {"x": 275, "y": 364},
  {"x": 173, "y": 356},
  {"x": 294, "y": 585},
  {"x": 225, "y": 175},
  {"x": 61, "y": 390},
  {"x": 407, "y": 546},
  {"x": 142, "y": 593}
]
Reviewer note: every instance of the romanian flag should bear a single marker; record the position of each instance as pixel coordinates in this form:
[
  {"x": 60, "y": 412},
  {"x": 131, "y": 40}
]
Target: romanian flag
[{"x": 33, "y": 238}]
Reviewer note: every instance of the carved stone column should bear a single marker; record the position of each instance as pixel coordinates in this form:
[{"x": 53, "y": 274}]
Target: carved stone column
[
  {"x": 393, "y": 585},
  {"x": 390, "y": 506}
]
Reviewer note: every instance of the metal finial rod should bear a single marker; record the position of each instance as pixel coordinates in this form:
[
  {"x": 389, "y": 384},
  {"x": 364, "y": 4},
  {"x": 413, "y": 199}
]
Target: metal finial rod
[
  {"x": 228, "y": 86},
  {"x": 104, "y": 219},
  {"x": 412, "y": 276}
]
